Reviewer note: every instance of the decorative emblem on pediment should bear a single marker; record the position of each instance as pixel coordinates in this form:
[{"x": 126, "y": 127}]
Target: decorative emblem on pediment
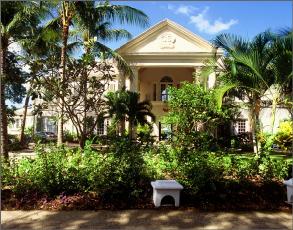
[{"x": 167, "y": 41}]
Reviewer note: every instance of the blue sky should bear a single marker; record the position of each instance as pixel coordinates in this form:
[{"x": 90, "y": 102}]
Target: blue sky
[{"x": 208, "y": 19}]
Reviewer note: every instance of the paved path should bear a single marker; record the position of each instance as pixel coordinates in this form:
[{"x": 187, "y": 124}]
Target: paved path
[{"x": 145, "y": 220}]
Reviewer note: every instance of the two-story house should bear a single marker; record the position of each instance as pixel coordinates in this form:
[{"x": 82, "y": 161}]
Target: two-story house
[{"x": 166, "y": 54}]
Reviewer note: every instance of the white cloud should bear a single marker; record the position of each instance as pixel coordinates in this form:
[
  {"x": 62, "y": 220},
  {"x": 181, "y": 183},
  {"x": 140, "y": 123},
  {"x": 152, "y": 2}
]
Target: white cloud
[
  {"x": 186, "y": 10},
  {"x": 204, "y": 25},
  {"x": 183, "y": 9}
]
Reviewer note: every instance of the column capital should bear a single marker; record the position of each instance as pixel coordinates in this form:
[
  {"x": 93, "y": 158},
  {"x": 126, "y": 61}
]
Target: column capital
[{"x": 135, "y": 68}]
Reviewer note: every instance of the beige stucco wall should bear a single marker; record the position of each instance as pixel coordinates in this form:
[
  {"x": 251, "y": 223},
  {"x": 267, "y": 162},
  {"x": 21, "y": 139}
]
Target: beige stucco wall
[
  {"x": 14, "y": 128},
  {"x": 266, "y": 118}
]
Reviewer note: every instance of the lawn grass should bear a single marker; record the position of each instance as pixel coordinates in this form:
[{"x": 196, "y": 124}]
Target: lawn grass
[{"x": 275, "y": 155}]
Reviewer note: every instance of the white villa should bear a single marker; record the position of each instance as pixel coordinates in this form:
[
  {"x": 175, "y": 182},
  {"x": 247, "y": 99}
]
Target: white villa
[{"x": 165, "y": 54}]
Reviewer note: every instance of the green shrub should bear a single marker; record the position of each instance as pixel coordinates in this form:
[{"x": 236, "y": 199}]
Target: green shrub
[
  {"x": 29, "y": 131},
  {"x": 243, "y": 167},
  {"x": 70, "y": 136},
  {"x": 144, "y": 134},
  {"x": 284, "y": 135},
  {"x": 123, "y": 173},
  {"x": 270, "y": 168},
  {"x": 117, "y": 174},
  {"x": 14, "y": 143},
  {"x": 162, "y": 162}
]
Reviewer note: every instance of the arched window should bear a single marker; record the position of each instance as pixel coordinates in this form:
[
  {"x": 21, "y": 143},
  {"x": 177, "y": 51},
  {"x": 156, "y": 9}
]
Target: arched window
[{"x": 165, "y": 82}]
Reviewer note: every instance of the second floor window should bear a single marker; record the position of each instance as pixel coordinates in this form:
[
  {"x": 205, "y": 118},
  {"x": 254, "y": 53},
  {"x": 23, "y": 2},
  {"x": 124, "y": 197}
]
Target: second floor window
[{"x": 165, "y": 83}]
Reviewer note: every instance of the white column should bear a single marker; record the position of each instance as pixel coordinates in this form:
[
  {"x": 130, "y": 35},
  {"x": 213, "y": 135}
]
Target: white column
[
  {"x": 134, "y": 81},
  {"x": 194, "y": 75},
  {"x": 197, "y": 71},
  {"x": 212, "y": 80}
]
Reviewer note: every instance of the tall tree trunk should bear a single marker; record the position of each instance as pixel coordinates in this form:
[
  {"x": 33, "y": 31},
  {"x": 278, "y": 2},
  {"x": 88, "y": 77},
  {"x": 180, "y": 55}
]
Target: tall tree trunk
[
  {"x": 22, "y": 140},
  {"x": 84, "y": 126},
  {"x": 4, "y": 123},
  {"x": 255, "y": 123},
  {"x": 274, "y": 108},
  {"x": 3, "y": 113},
  {"x": 122, "y": 126},
  {"x": 60, "y": 128},
  {"x": 253, "y": 130},
  {"x": 131, "y": 130},
  {"x": 65, "y": 32},
  {"x": 82, "y": 140}
]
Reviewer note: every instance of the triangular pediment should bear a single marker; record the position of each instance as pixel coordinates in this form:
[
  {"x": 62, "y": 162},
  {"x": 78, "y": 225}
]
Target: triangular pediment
[{"x": 166, "y": 37}]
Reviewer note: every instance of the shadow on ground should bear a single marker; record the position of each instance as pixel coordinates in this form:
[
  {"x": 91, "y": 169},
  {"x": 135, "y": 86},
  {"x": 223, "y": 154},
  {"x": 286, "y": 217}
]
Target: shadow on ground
[{"x": 162, "y": 218}]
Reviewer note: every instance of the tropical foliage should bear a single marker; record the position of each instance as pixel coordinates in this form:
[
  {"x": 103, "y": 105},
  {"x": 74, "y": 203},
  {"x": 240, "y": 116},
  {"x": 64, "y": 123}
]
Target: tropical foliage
[
  {"x": 93, "y": 23},
  {"x": 284, "y": 136},
  {"x": 196, "y": 114},
  {"x": 121, "y": 176},
  {"x": 259, "y": 70},
  {"x": 126, "y": 105},
  {"x": 18, "y": 22},
  {"x": 48, "y": 32}
]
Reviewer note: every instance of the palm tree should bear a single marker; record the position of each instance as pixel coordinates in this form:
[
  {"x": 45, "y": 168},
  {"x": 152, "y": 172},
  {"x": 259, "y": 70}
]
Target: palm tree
[
  {"x": 37, "y": 50},
  {"x": 18, "y": 20},
  {"x": 126, "y": 105},
  {"x": 89, "y": 18},
  {"x": 252, "y": 70},
  {"x": 117, "y": 108},
  {"x": 137, "y": 112},
  {"x": 282, "y": 69},
  {"x": 102, "y": 30}
]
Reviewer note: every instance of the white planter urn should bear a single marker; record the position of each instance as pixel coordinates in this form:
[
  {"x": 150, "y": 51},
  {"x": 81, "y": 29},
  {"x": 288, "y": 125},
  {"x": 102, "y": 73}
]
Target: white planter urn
[{"x": 289, "y": 184}]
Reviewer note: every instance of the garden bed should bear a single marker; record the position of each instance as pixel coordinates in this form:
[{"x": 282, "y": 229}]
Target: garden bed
[
  {"x": 253, "y": 195},
  {"x": 119, "y": 178}
]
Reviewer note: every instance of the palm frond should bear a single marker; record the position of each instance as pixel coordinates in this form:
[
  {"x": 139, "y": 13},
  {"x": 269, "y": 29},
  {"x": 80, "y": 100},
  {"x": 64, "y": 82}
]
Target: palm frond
[
  {"x": 284, "y": 32},
  {"x": 109, "y": 53},
  {"x": 112, "y": 34},
  {"x": 230, "y": 42},
  {"x": 121, "y": 14},
  {"x": 262, "y": 41},
  {"x": 220, "y": 92}
]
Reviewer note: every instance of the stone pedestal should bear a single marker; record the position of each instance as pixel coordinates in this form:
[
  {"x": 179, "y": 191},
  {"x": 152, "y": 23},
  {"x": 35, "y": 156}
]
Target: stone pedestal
[{"x": 162, "y": 188}]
